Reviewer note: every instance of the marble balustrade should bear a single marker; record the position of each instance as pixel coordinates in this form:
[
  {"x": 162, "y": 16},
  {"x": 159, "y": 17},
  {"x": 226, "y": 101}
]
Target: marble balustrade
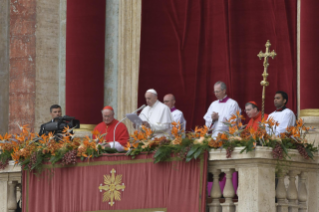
[
  {"x": 10, "y": 187},
  {"x": 296, "y": 190},
  {"x": 296, "y": 178}
]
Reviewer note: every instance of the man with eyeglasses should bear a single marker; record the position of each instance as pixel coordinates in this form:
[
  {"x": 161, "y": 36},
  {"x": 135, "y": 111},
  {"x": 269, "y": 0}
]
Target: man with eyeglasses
[
  {"x": 107, "y": 126},
  {"x": 254, "y": 114}
]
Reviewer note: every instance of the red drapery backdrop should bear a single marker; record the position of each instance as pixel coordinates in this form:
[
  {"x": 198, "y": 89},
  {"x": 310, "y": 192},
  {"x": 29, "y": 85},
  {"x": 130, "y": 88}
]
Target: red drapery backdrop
[
  {"x": 188, "y": 45},
  {"x": 309, "y": 45},
  {"x": 168, "y": 186},
  {"x": 85, "y": 39}
]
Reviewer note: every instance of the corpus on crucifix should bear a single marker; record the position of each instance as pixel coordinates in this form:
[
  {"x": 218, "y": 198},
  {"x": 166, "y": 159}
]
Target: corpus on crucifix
[{"x": 264, "y": 82}]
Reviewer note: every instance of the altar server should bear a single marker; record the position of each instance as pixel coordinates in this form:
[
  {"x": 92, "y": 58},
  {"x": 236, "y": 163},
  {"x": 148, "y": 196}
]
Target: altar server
[
  {"x": 107, "y": 126},
  {"x": 284, "y": 116},
  {"x": 220, "y": 110},
  {"x": 156, "y": 115},
  {"x": 254, "y": 114},
  {"x": 178, "y": 116}
]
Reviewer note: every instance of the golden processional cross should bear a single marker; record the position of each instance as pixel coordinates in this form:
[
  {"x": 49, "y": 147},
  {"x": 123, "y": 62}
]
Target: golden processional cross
[{"x": 264, "y": 82}]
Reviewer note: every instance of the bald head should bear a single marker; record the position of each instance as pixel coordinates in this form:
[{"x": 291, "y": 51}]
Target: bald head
[
  {"x": 150, "y": 98},
  {"x": 169, "y": 100}
]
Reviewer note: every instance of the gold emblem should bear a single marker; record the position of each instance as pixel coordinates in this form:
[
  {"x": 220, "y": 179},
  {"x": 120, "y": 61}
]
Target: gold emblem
[{"x": 112, "y": 187}]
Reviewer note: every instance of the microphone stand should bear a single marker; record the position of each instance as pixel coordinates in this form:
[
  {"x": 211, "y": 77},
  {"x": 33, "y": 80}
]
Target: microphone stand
[{"x": 140, "y": 108}]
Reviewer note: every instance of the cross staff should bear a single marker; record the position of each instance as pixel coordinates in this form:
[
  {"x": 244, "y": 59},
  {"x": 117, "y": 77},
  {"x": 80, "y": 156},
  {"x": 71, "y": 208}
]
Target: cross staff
[{"x": 264, "y": 82}]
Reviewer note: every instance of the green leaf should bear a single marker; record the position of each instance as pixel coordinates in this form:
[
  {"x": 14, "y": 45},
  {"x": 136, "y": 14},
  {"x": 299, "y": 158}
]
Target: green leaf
[
  {"x": 309, "y": 153},
  {"x": 158, "y": 152},
  {"x": 192, "y": 151},
  {"x": 198, "y": 153}
]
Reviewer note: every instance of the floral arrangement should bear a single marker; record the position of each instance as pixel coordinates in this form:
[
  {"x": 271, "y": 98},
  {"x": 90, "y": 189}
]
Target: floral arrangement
[
  {"x": 195, "y": 143},
  {"x": 32, "y": 151}
]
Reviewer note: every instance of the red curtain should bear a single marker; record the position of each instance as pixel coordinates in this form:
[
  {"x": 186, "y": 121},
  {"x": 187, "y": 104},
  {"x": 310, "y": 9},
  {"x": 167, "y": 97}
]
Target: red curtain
[
  {"x": 167, "y": 186},
  {"x": 309, "y": 45},
  {"x": 85, "y": 35},
  {"x": 188, "y": 45}
]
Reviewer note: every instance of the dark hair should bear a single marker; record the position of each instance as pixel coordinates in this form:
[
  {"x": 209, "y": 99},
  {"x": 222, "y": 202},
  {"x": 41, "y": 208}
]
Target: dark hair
[
  {"x": 284, "y": 95},
  {"x": 55, "y": 106},
  {"x": 252, "y": 105}
]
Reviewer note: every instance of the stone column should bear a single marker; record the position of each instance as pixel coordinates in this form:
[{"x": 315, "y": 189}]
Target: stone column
[
  {"x": 128, "y": 57},
  {"x": 256, "y": 190},
  {"x": 111, "y": 54},
  {"x": 4, "y": 64},
  {"x": 62, "y": 52},
  {"x": 47, "y": 58},
  {"x": 36, "y": 29}
]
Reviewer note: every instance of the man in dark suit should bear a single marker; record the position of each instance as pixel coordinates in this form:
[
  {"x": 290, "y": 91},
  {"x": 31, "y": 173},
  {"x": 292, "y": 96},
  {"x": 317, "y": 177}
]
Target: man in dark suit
[{"x": 55, "y": 112}]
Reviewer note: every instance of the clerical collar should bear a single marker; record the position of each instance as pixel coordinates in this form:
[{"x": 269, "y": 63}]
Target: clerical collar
[
  {"x": 172, "y": 109},
  {"x": 281, "y": 109},
  {"x": 224, "y": 100}
]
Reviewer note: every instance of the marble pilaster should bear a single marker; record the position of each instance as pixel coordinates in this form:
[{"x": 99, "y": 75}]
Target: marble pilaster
[
  {"x": 111, "y": 54},
  {"x": 47, "y": 58},
  {"x": 4, "y": 64},
  {"x": 128, "y": 57}
]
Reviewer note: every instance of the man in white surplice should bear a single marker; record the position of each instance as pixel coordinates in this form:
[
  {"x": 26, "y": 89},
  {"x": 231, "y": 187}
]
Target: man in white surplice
[
  {"x": 178, "y": 116},
  {"x": 284, "y": 116},
  {"x": 220, "y": 110},
  {"x": 156, "y": 115}
]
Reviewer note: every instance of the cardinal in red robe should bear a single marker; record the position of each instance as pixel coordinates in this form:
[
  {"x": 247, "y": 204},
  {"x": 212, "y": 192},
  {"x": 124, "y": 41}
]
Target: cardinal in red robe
[
  {"x": 254, "y": 114},
  {"x": 108, "y": 125}
]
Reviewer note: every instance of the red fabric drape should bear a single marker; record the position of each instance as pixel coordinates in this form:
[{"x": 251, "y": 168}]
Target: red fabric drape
[
  {"x": 85, "y": 35},
  {"x": 188, "y": 45},
  {"x": 175, "y": 186},
  {"x": 309, "y": 45}
]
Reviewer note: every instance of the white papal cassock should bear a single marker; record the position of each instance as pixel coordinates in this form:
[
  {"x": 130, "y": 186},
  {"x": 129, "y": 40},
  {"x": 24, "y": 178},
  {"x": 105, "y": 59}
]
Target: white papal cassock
[
  {"x": 159, "y": 117},
  {"x": 178, "y": 116},
  {"x": 285, "y": 118},
  {"x": 225, "y": 109}
]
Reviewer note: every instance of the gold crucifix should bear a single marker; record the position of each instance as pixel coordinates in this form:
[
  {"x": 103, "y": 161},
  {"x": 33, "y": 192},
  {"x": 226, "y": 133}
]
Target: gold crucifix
[{"x": 264, "y": 82}]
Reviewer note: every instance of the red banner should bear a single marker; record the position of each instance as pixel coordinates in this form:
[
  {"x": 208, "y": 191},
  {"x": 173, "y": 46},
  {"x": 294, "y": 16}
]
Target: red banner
[{"x": 118, "y": 183}]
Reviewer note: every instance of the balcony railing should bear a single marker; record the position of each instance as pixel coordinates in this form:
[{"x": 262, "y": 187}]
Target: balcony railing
[
  {"x": 10, "y": 187},
  {"x": 292, "y": 188}
]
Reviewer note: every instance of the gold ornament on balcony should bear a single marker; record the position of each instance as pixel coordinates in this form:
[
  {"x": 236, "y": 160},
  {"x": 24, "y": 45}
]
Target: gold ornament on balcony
[
  {"x": 264, "y": 82},
  {"x": 112, "y": 187}
]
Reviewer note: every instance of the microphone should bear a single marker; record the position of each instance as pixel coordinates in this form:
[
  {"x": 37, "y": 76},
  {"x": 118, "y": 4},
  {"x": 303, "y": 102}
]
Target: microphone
[{"x": 140, "y": 108}]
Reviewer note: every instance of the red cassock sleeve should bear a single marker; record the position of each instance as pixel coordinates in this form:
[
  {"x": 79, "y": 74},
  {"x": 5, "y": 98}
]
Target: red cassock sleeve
[{"x": 121, "y": 134}]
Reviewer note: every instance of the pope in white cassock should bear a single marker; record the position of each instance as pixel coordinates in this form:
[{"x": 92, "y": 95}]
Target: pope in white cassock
[
  {"x": 178, "y": 116},
  {"x": 220, "y": 110},
  {"x": 156, "y": 115},
  {"x": 284, "y": 116}
]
